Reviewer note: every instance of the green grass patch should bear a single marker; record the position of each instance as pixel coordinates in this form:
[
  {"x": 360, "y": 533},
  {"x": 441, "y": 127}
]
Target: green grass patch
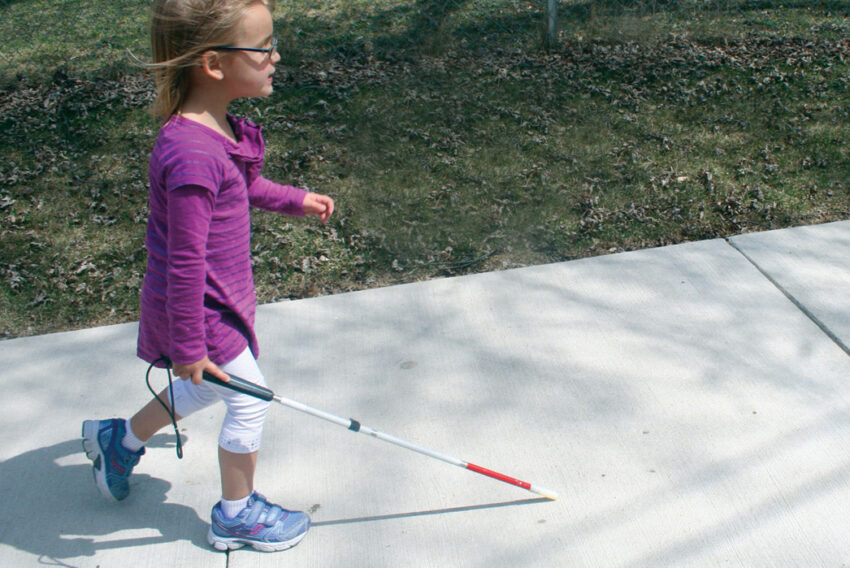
[{"x": 450, "y": 139}]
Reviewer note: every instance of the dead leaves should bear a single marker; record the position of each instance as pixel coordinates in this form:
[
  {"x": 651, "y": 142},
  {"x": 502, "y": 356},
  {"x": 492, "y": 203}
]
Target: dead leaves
[{"x": 655, "y": 185}]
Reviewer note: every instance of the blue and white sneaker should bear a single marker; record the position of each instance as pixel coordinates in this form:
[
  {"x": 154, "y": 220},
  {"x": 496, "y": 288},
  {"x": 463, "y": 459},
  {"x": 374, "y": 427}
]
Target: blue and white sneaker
[
  {"x": 113, "y": 463},
  {"x": 262, "y": 525}
]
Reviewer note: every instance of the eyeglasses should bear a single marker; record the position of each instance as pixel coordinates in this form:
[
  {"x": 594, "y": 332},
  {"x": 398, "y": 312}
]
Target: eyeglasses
[{"x": 267, "y": 50}]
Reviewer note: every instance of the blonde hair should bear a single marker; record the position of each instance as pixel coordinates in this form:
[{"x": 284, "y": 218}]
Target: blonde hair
[{"x": 181, "y": 31}]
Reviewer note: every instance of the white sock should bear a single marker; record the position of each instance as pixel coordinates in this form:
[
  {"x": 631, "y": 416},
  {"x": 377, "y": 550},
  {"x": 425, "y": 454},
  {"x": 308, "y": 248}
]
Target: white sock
[
  {"x": 233, "y": 508},
  {"x": 130, "y": 441}
]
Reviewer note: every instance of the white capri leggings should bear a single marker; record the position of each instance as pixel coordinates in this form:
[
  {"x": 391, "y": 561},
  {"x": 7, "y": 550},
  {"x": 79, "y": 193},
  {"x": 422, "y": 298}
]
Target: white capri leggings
[{"x": 242, "y": 429}]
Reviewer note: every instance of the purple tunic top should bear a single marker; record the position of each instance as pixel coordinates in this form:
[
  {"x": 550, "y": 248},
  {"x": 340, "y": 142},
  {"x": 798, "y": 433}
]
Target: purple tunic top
[{"x": 198, "y": 295}]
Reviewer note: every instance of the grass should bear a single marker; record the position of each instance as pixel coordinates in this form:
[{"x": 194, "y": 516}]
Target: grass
[{"x": 451, "y": 141}]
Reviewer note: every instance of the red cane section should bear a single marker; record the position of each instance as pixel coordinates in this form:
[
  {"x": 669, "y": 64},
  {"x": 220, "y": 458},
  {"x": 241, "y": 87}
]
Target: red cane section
[{"x": 497, "y": 475}]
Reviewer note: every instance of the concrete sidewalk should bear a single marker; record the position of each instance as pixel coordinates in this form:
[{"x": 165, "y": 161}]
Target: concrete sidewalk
[{"x": 690, "y": 404}]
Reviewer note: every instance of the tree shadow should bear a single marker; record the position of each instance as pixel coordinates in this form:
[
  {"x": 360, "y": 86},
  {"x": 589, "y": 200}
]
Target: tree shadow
[
  {"x": 69, "y": 514},
  {"x": 431, "y": 16},
  {"x": 581, "y": 12},
  {"x": 423, "y": 27}
]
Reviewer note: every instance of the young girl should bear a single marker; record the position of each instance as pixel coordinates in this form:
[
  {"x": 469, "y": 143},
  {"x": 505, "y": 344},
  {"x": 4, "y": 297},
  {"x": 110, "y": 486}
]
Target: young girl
[{"x": 198, "y": 299}]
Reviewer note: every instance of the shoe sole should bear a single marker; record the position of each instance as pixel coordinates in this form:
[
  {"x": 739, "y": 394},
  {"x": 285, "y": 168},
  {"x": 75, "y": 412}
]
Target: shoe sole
[
  {"x": 91, "y": 445},
  {"x": 225, "y": 543}
]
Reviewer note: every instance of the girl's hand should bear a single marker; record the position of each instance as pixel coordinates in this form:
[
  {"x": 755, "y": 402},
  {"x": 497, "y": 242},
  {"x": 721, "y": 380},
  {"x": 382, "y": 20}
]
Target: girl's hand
[
  {"x": 195, "y": 371},
  {"x": 318, "y": 205}
]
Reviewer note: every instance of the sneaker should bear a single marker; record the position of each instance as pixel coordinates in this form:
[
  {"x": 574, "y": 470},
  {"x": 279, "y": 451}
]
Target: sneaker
[
  {"x": 113, "y": 463},
  {"x": 264, "y": 526}
]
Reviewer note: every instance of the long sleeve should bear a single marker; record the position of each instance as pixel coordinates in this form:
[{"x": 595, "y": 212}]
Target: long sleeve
[
  {"x": 189, "y": 216},
  {"x": 270, "y": 196}
]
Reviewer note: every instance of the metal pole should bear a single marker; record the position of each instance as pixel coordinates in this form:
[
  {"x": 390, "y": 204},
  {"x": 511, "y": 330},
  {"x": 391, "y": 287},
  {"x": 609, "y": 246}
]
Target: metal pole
[
  {"x": 551, "y": 23},
  {"x": 249, "y": 388}
]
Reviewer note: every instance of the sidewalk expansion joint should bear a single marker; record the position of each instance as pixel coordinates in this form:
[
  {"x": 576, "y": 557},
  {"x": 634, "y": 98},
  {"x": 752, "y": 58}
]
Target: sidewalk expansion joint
[{"x": 800, "y": 306}]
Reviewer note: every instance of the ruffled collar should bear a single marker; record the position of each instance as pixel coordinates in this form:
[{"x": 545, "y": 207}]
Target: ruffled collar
[{"x": 250, "y": 146}]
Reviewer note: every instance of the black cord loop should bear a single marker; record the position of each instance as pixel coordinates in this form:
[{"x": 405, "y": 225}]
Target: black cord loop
[{"x": 170, "y": 411}]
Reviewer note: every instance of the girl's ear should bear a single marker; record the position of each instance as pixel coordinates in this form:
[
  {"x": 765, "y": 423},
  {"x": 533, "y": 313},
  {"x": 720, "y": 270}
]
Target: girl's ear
[{"x": 211, "y": 65}]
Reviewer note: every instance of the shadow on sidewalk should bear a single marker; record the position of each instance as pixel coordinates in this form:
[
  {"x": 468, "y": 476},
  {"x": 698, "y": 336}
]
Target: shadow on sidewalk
[
  {"x": 55, "y": 511},
  {"x": 463, "y": 509}
]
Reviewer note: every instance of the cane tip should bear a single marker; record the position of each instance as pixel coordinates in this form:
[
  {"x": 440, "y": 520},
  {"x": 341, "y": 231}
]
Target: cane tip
[{"x": 551, "y": 495}]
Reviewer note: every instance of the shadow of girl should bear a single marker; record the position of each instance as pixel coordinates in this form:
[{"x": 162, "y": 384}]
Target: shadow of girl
[{"x": 54, "y": 511}]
